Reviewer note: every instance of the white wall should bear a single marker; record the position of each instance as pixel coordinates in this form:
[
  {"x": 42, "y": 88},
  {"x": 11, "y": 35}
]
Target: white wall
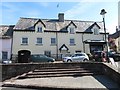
[
  {"x": 63, "y": 38},
  {"x": 32, "y": 42},
  {"x": 5, "y": 45}
]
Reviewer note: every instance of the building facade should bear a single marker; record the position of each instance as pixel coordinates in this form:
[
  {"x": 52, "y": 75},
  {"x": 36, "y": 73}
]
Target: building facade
[
  {"x": 57, "y": 36},
  {"x": 119, "y": 15},
  {"x": 114, "y": 40},
  {"x": 6, "y": 33}
]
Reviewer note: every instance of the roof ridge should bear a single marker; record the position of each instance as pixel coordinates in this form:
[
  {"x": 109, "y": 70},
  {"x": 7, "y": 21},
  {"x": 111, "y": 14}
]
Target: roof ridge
[
  {"x": 28, "y": 18},
  {"x": 36, "y": 18},
  {"x": 6, "y": 25},
  {"x": 57, "y": 19}
]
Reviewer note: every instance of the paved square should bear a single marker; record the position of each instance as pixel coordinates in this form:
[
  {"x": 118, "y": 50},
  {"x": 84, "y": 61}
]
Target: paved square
[{"x": 97, "y": 81}]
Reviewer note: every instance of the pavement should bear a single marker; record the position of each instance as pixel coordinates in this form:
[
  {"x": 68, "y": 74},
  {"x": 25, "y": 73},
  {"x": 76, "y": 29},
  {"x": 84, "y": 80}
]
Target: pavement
[
  {"x": 96, "y": 82},
  {"x": 115, "y": 66}
]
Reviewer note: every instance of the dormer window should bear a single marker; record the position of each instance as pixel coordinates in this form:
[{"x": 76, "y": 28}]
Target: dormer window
[
  {"x": 96, "y": 31},
  {"x": 72, "y": 30},
  {"x": 39, "y": 26},
  {"x": 39, "y": 29},
  {"x": 71, "y": 27}
]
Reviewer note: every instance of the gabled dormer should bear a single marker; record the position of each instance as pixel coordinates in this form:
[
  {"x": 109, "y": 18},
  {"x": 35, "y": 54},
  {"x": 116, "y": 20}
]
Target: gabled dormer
[
  {"x": 94, "y": 28},
  {"x": 71, "y": 27},
  {"x": 39, "y": 26}
]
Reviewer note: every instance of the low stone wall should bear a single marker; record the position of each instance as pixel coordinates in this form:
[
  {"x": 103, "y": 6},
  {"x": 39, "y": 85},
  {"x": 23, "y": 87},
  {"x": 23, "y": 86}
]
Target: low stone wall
[
  {"x": 111, "y": 73},
  {"x": 12, "y": 70}
]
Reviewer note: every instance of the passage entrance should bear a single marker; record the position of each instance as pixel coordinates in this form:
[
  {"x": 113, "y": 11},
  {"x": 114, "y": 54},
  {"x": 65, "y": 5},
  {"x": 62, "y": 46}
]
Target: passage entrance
[{"x": 24, "y": 56}]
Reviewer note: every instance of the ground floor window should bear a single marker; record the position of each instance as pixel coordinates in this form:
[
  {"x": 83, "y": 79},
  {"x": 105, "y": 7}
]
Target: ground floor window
[
  {"x": 47, "y": 53},
  {"x": 96, "y": 48},
  {"x": 4, "y": 55}
]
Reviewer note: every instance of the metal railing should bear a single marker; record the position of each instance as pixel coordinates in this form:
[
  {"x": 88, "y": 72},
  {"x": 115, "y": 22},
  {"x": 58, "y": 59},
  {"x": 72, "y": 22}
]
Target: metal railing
[{"x": 55, "y": 56}]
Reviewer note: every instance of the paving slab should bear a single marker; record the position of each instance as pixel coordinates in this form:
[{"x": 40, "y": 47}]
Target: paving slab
[
  {"x": 97, "y": 81},
  {"x": 13, "y": 88}
]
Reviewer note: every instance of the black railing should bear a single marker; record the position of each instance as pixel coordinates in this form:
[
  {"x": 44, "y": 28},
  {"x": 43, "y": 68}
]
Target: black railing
[{"x": 55, "y": 56}]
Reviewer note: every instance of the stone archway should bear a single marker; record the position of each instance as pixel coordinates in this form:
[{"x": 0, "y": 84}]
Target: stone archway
[{"x": 24, "y": 56}]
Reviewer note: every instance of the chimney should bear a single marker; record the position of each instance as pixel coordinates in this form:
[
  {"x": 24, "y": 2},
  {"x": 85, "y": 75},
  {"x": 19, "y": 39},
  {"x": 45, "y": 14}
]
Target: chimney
[{"x": 61, "y": 17}]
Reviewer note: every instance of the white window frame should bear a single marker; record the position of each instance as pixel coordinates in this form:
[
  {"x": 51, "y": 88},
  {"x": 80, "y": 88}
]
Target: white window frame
[
  {"x": 39, "y": 29},
  {"x": 47, "y": 53},
  {"x": 53, "y": 42},
  {"x": 71, "y": 30},
  {"x": 96, "y": 31},
  {"x": 24, "y": 42},
  {"x": 39, "y": 42},
  {"x": 72, "y": 41},
  {"x": 5, "y": 53}
]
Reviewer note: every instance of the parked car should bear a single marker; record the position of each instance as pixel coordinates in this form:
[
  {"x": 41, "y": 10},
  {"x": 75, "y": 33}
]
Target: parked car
[
  {"x": 115, "y": 56},
  {"x": 6, "y": 61},
  {"x": 111, "y": 53},
  {"x": 78, "y": 57},
  {"x": 97, "y": 55},
  {"x": 41, "y": 58}
]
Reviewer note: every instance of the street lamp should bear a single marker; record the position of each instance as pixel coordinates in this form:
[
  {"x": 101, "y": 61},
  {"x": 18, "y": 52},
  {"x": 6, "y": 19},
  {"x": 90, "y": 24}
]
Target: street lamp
[{"x": 103, "y": 12}]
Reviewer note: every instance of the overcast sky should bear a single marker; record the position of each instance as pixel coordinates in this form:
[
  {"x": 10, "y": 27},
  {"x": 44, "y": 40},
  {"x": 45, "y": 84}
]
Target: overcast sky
[{"x": 85, "y": 10}]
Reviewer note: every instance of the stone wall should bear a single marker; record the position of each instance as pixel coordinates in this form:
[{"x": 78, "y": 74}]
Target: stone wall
[
  {"x": 111, "y": 73},
  {"x": 16, "y": 69}
]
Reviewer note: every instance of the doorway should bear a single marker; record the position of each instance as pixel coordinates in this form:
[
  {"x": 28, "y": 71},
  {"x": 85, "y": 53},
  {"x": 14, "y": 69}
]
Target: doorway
[{"x": 24, "y": 56}]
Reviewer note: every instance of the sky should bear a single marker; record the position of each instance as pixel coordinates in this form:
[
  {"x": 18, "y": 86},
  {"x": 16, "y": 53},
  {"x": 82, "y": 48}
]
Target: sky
[{"x": 85, "y": 10}]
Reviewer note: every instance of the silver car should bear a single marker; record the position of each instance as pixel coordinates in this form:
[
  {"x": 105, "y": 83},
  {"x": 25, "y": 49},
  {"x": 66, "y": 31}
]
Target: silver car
[{"x": 78, "y": 57}]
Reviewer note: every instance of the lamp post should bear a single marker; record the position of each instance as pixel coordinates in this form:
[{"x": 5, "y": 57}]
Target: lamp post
[{"x": 103, "y": 12}]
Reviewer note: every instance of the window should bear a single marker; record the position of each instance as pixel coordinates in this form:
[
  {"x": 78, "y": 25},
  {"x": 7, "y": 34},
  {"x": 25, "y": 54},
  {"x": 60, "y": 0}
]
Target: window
[
  {"x": 47, "y": 53},
  {"x": 72, "y": 30},
  {"x": 4, "y": 55},
  {"x": 39, "y": 41},
  {"x": 25, "y": 41},
  {"x": 72, "y": 41},
  {"x": 75, "y": 55},
  {"x": 96, "y": 31},
  {"x": 53, "y": 41},
  {"x": 39, "y": 29}
]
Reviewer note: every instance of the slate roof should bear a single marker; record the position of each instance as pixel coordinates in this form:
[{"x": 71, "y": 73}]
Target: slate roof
[
  {"x": 89, "y": 29},
  {"x": 55, "y": 25},
  {"x": 6, "y": 31},
  {"x": 115, "y": 35}
]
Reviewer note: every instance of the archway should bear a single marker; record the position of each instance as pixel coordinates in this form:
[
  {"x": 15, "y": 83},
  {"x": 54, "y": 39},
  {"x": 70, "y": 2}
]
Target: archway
[{"x": 24, "y": 56}]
